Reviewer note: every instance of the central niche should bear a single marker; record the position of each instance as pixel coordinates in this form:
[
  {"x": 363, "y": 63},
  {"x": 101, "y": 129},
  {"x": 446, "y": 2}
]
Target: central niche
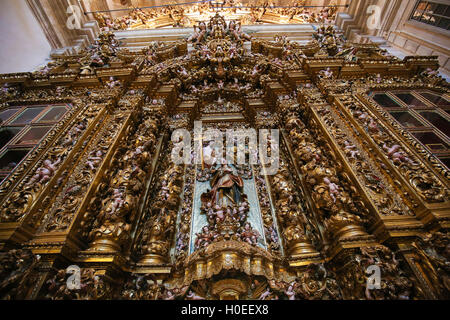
[
  {"x": 226, "y": 206},
  {"x": 226, "y": 201}
]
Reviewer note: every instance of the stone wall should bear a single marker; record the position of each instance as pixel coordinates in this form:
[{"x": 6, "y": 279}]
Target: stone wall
[
  {"x": 21, "y": 36},
  {"x": 396, "y": 30}
]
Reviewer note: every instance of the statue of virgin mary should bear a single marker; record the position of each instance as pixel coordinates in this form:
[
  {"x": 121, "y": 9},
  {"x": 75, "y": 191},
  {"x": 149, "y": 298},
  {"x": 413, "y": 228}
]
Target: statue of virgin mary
[{"x": 227, "y": 188}]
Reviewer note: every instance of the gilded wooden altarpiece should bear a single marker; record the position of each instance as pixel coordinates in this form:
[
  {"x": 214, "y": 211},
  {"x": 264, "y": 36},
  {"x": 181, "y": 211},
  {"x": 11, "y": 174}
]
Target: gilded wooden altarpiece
[{"x": 100, "y": 191}]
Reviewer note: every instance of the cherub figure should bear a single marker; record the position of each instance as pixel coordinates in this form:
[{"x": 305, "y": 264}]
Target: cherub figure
[
  {"x": 265, "y": 294},
  {"x": 290, "y": 292},
  {"x": 273, "y": 234},
  {"x": 361, "y": 115},
  {"x": 396, "y": 154},
  {"x": 94, "y": 159},
  {"x": 182, "y": 71},
  {"x": 169, "y": 295},
  {"x": 193, "y": 296},
  {"x": 205, "y": 52},
  {"x": 209, "y": 210},
  {"x": 242, "y": 210},
  {"x": 112, "y": 83},
  {"x": 68, "y": 141},
  {"x": 199, "y": 34},
  {"x": 249, "y": 234},
  {"x": 326, "y": 74},
  {"x": 351, "y": 149},
  {"x": 428, "y": 72},
  {"x": 44, "y": 173},
  {"x": 118, "y": 201},
  {"x": 372, "y": 126},
  {"x": 256, "y": 70},
  {"x": 180, "y": 242},
  {"x": 378, "y": 78},
  {"x": 242, "y": 34},
  {"x": 219, "y": 213},
  {"x": 165, "y": 191},
  {"x": 332, "y": 187},
  {"x": 204, "y": 238},
  {"x": 78, "y": 128},
  {"x": 206, "y": 85},
  {"x": 59, "y": 91}
]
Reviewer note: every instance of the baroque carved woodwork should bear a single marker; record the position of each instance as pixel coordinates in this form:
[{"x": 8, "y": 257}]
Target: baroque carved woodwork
[{"x": 101, "y": 191}]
